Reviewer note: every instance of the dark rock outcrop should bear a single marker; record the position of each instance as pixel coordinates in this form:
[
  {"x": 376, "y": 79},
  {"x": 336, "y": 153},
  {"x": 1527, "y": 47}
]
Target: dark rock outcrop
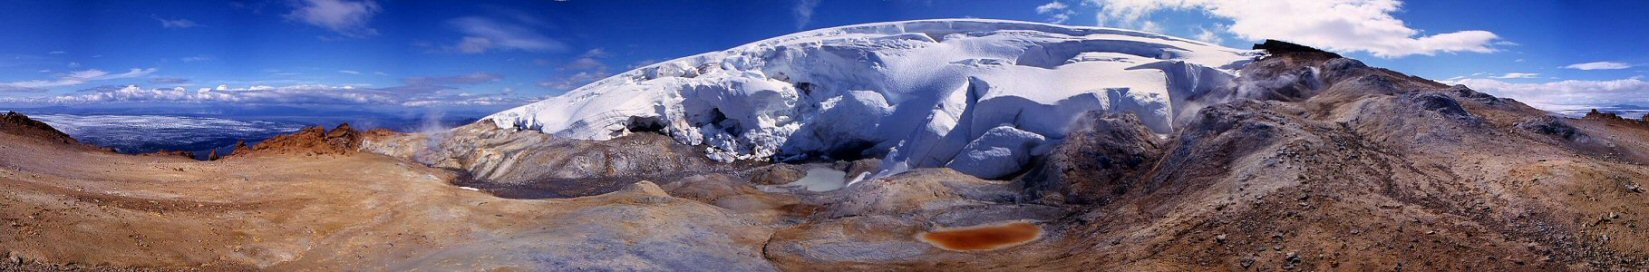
[
  {"x": 1614, "y": 118},
  {"x": 1276, "y": 47},
  {"x": 1099, "y": 160},
  {"x": 1552, "y": 126},
  {"x": 314, "y": 140},
  {"x": 240, "y": 148},
  {"x": 1595, "y": 114}
]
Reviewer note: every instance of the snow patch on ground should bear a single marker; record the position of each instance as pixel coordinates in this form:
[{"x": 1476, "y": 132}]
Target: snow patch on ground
[
  {"x": 1001, "y": 151},
  {"x": 921, "y": 93}
]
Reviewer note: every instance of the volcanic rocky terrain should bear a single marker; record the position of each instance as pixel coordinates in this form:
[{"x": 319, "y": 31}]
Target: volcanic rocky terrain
[{"x": 1311, "y": 162}]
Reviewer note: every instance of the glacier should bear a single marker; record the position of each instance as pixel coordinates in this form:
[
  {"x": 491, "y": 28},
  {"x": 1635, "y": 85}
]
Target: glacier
[{"x": 980, "y": 96}]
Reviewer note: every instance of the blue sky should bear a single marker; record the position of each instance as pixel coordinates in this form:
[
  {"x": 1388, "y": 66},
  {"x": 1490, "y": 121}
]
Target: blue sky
[{"x": 490, "y": 55}]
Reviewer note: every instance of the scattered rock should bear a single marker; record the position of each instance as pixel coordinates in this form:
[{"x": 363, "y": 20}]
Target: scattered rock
[
  {"x": 1100, "y": 159},
  {"x": 1548, "y": 125},
  {"x": 169, "y": 153},
  {"x": 860, "y": 167},
  {"x": 1441, "y": 104},
  {"x": 778, "y": 174}
]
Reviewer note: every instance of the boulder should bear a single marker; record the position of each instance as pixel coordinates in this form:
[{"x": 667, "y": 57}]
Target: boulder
[{"x": 778, "y": 174}]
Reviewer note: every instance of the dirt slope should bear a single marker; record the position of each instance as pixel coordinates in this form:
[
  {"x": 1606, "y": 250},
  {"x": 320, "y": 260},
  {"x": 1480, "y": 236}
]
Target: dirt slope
[{"x": 332, "y": 212}]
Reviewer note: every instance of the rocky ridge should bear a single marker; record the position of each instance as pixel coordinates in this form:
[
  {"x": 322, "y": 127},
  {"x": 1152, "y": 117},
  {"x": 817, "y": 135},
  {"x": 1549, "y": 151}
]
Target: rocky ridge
[
  {"x": 19, "y": 124},
  {"x": 311, "y": 141}
]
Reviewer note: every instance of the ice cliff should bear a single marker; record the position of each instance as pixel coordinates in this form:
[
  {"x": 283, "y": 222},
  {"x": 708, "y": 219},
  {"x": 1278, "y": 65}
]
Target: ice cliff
[{"x": 980, "y": 96}]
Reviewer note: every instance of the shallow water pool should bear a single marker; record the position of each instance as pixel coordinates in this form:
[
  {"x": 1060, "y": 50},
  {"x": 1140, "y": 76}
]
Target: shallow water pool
[
  {"x": 822, "y": 179},
  {"x": 983, "y": 237}
]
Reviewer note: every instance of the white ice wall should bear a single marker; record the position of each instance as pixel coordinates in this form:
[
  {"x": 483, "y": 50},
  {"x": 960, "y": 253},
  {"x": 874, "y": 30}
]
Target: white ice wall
[{"x": 928, "y": 89}]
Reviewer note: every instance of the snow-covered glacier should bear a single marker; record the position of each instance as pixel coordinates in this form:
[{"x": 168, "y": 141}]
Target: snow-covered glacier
[{"x": 980, "y": 96}]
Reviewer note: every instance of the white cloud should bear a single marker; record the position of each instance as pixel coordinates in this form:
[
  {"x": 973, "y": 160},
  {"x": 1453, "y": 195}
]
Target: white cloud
[
  {"x": 1567, "y": 95},
  {"x": 1208, "y": 35},
  {"x": 571, "y": 81},
  {"x": 1051, "y": 7},
  {"x": 175, "y": 23},
  {"x": 1339, "y": 25},
  {"x": 296, "y": 94},
  {"x": 352, "y": 72},
  {"x": 804, "y": 11},
  {"x": 310, "y": 94},
  {"x": 1057, "y": 12},
  {"x": 590, "y": 60},
  {"x": 199, "y": 58},
  {"x": 1517, "y": 75},
  {"x": 348, "y": 18},
  {"x": 1150, "y": 26},
  {"x": 135, "y": 72},
  {"x": 169, "y": 80},
  {"x": 586, "y": 68},
  {"x": 11, "y": 89},
  {"x": 73, "y": 78},
  {"x": 482, "y": 35},
  {"x": 1599, "y": 65},
  {"x": 471, "y": 78}
]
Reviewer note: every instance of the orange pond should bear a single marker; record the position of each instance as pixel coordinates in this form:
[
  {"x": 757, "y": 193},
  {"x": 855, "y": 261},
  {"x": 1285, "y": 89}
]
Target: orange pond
[{"x": 984, "y": 237}]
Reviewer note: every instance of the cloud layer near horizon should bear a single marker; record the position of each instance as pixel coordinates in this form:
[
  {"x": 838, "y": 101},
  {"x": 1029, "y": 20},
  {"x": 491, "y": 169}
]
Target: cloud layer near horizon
[
  {"x": 1338, "y": 25},
  {"x": 1599, "y": 65},
  {"x": 71, "y": 79},
  {"x": 412, "y": 95},
  {"x": 1567, "y": 95}
]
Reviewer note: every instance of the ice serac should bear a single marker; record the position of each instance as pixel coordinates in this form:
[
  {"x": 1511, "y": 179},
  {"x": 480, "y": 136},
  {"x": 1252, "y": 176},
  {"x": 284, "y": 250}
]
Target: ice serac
[{"x": 917, "y": 92}]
